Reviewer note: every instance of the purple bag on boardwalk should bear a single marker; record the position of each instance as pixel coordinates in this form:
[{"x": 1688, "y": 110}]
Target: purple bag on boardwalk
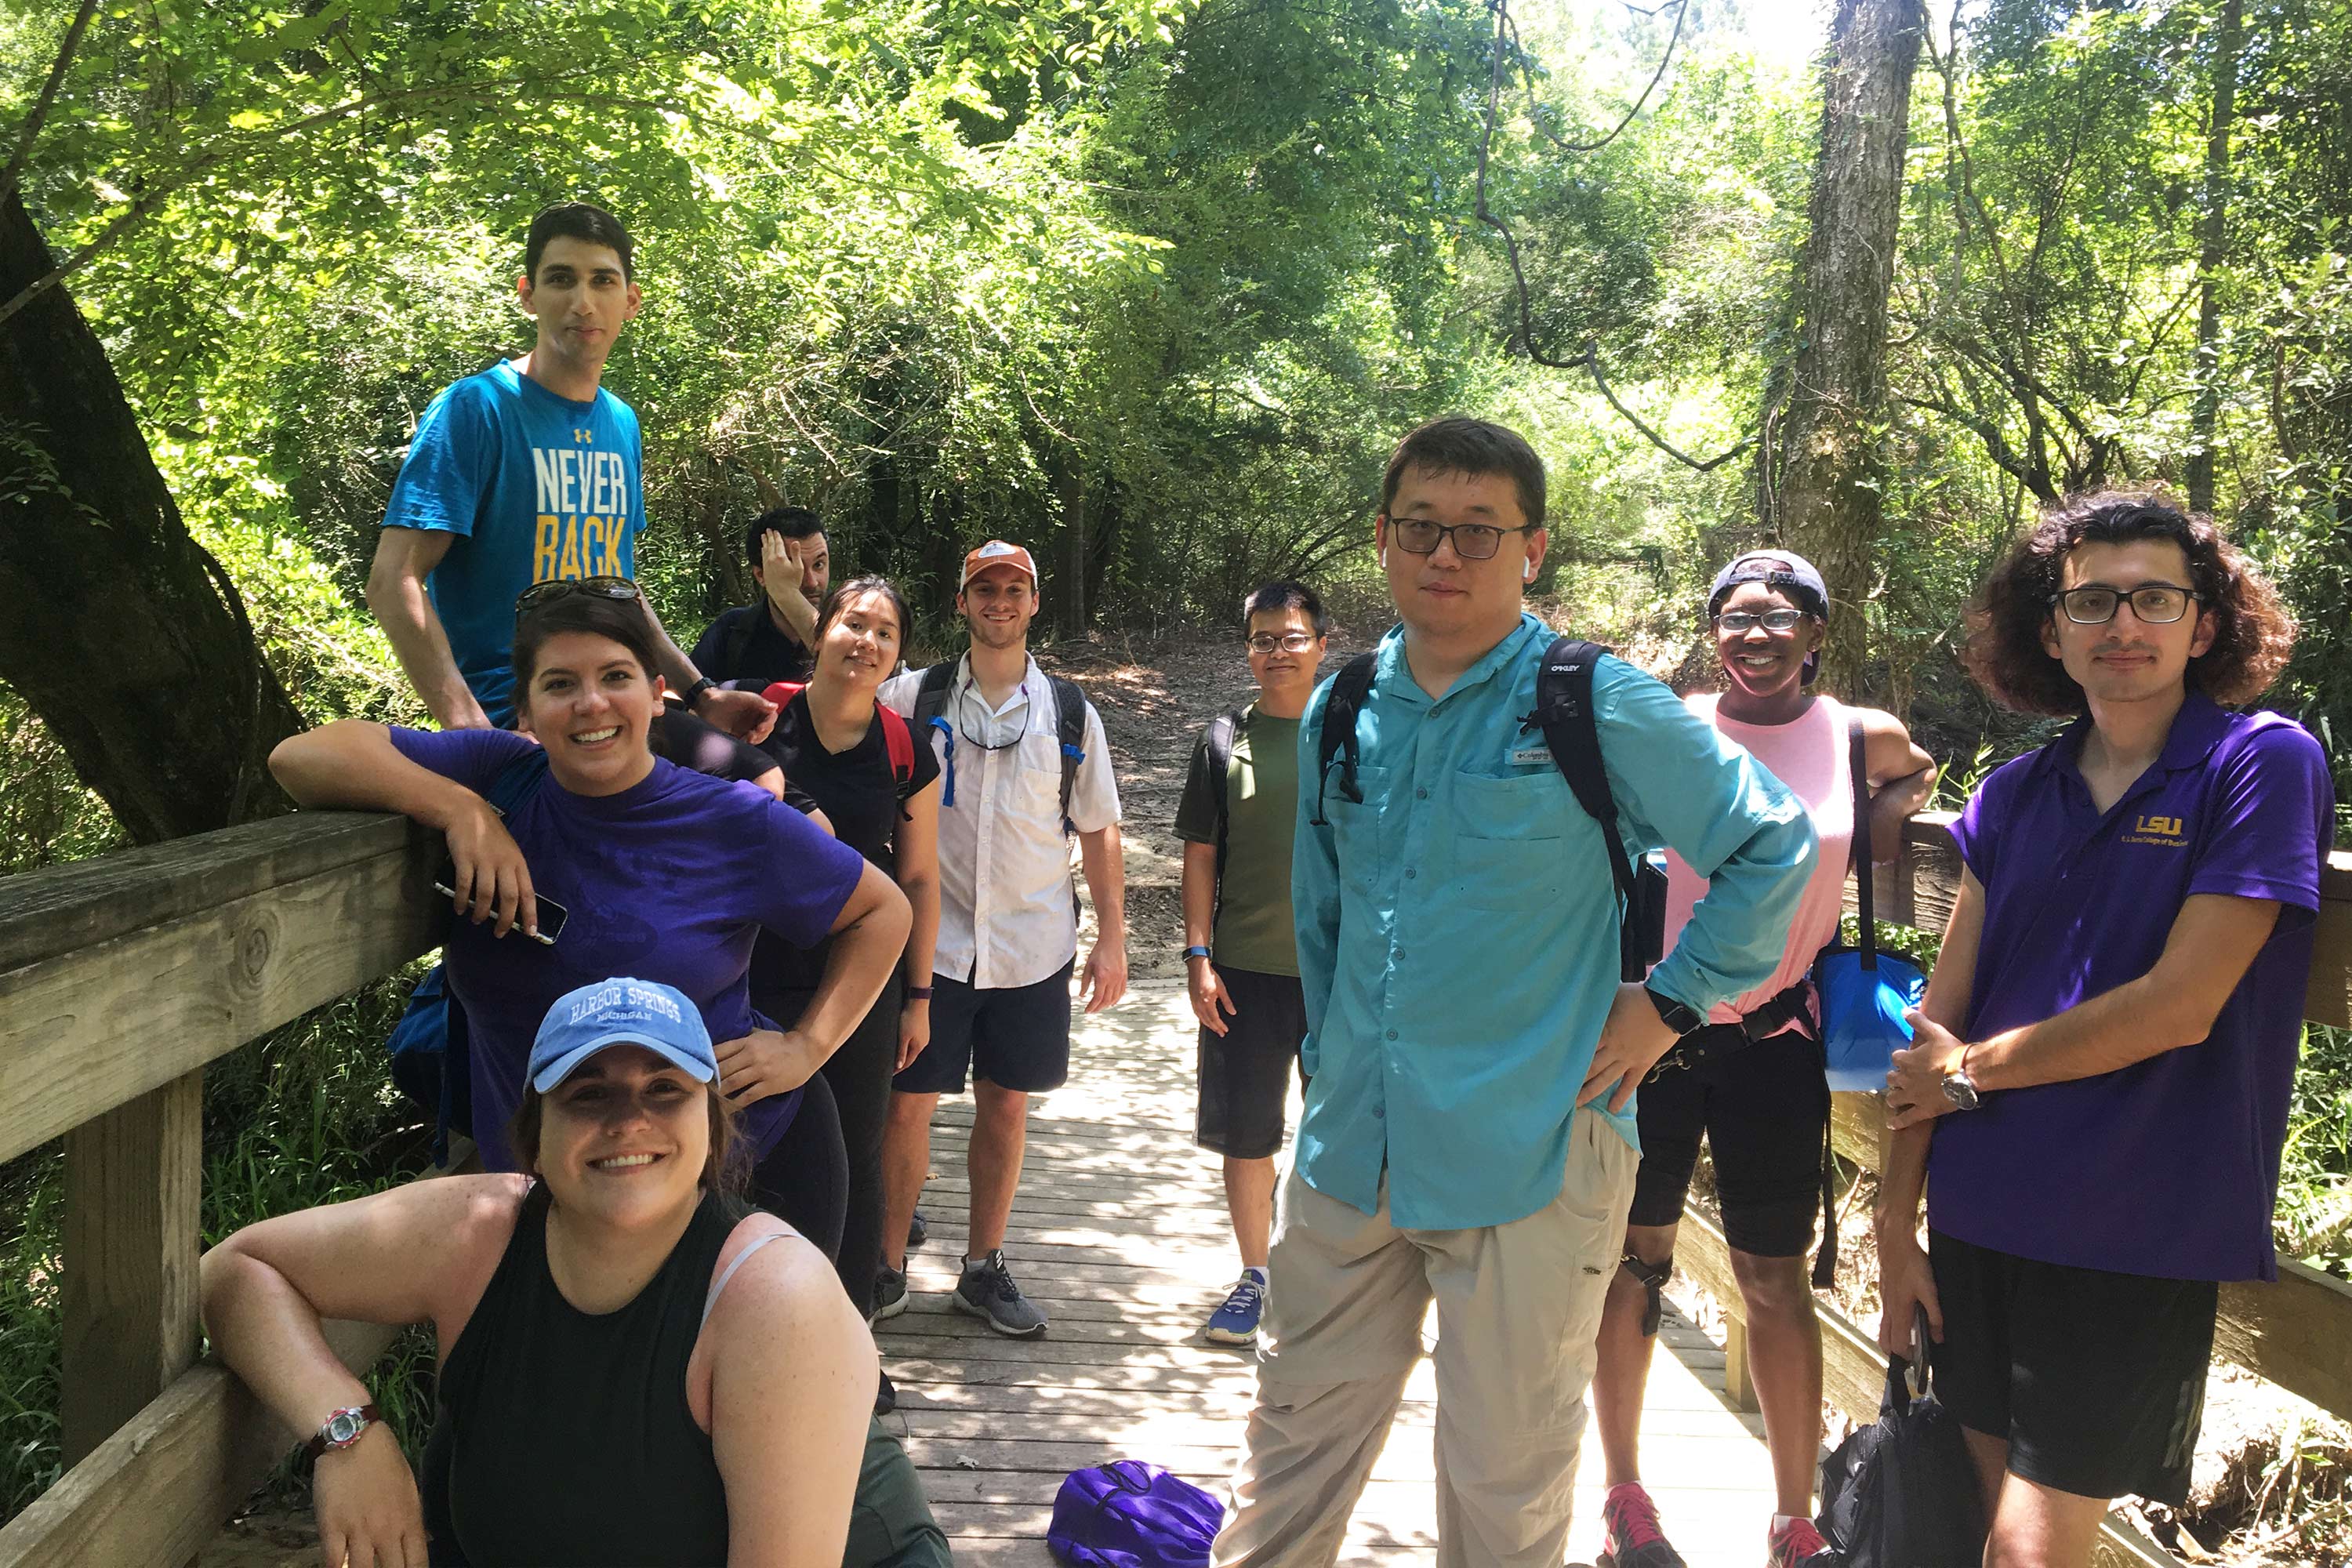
[{"x": 1128, "y": 1514}]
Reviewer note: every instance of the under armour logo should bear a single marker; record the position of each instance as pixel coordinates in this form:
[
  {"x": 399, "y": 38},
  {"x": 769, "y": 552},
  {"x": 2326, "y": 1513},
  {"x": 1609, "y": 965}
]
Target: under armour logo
[{"x": 586, "y": 436}]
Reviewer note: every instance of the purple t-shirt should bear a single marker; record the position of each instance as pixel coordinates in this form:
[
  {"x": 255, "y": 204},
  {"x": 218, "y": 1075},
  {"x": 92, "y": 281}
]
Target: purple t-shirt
[
  {"x": 2167, "y": 1167},
  {"x": 670, "y": 879}
]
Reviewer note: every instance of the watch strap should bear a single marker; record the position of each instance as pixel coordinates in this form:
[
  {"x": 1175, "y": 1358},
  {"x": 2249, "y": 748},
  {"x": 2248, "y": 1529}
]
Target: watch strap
[
  {"x": 919, "y": 992},
  {"x": 1192, "y": 952},
  {"x": 697, "y": 689}
]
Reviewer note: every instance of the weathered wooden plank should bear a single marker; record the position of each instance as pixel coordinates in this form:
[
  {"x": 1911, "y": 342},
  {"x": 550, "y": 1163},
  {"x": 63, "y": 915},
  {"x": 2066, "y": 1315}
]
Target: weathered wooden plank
[
  {"x": 87, "y": 1030},
  {"x": 64, "y": 908},
  {"x": 2292, "y": 1333},
  {"x": 133, "y": 1199},
  {"x": 154, "y": 1492}
]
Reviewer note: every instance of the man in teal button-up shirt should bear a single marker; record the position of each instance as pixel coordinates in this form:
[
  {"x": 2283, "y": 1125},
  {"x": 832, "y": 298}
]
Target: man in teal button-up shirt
[{"x": 1468, "y": 1135}]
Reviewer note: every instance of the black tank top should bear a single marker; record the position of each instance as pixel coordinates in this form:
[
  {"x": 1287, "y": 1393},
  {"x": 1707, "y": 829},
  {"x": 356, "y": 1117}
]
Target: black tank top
[{"x": 563, "y": 1439}]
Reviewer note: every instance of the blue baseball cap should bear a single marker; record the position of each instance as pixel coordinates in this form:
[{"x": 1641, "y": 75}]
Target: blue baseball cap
[
  {"x": 621, "y": 1011},
  {"x": 1779, "y": 568}
]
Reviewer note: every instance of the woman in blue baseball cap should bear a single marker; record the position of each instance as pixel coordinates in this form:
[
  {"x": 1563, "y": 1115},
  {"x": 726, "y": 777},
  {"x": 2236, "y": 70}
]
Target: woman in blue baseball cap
[
  {"x": 635, "y": 1367},
  {"x": 1750, "y": 1081}
]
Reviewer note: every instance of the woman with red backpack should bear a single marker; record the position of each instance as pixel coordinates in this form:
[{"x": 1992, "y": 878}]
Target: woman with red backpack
[{"x": 857, "y": 761}]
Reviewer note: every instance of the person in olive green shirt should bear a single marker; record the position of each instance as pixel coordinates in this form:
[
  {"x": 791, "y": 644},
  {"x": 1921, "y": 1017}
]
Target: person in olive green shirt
[{"x": 1241, "y": 960}]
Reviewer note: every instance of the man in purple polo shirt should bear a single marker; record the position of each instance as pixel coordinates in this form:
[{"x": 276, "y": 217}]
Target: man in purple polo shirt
[{"x": 2098, "y": 1096}]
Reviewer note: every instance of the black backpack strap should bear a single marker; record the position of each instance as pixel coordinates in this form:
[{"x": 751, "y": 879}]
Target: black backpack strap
[
  {"x": 737, "y": 644},
  {"x": 1564, "y": 713},
  {"x": 1070, "y": 732},
  {"x": 1338, "y": 736},
  {"x": 1219, "y": 742},
  {"x": 930, "y": 706},
  {"x": 1857, "y": 764}
]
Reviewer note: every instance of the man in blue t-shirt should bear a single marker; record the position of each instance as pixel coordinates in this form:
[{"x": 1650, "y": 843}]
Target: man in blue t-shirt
[
  {"x": 2098, "y": 1096},
  {"x": 527, "y": 472}
]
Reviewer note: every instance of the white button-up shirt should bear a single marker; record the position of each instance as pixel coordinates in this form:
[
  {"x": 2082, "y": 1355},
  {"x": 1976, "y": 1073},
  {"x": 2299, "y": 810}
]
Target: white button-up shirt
[{"x": 1008, "y": 912}]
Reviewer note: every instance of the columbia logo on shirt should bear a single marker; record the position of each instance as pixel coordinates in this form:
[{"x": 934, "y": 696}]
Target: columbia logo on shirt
[{"x": 583, "y": 514}]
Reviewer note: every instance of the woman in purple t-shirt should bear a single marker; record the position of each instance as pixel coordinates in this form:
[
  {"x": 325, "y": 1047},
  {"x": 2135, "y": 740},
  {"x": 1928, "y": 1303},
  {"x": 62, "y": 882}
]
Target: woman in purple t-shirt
[
  {"x": 1750, "y": 1081},
  {"x": 665, "y": 873}
]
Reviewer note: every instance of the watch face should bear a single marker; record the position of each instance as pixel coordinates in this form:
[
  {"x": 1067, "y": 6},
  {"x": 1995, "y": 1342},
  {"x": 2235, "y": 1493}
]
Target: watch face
[{"x": 344, "y": 1426}]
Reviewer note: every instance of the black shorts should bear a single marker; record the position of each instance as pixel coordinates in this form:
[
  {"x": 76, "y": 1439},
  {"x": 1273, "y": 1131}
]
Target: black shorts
[
  {"x": 1246, "y": 1071},
  {"x": 2096, "y": 1380},
  {"x": 1015, "y": 1037},
  {"x": 1764, "y": 1110}
]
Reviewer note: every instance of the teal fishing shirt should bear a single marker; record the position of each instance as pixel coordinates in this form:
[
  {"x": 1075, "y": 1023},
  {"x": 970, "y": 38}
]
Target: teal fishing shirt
[{"x": 1457, "y": 930}]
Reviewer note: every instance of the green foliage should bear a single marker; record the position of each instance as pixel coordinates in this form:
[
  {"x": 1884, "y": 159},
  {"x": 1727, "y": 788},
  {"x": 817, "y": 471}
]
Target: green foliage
[{"x": 2314, "y": 1208}]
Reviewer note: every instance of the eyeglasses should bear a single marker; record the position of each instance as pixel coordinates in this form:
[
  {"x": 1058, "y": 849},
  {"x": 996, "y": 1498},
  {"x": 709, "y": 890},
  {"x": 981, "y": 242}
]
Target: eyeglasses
[
  {"x": 1288, "y": 642},
  {"x": 1770, "y": 620},
  {"x": 1472, "y": 541},
  {"x": 2155, "y": 603},
  {"x": 616, "y": 588}
]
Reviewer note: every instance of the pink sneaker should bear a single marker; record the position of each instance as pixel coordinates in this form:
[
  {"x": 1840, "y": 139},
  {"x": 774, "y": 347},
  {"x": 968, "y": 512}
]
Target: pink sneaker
[
  {"x": 1794, "y": 1542},
  {"x": 1631, "y": 1534}
]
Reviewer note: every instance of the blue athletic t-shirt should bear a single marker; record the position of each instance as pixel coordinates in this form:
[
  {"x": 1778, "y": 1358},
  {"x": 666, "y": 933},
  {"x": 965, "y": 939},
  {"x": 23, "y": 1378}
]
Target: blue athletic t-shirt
[
  {"x": 536, "y": 486},
  {"x": 671, "y": 880}
]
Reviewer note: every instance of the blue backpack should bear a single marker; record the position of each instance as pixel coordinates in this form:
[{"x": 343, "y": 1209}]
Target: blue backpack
[
  {"x": 1128, "y": 1514},
  {"x": 1863, "y": 990},
  {"x": 430, "y": 1060}
]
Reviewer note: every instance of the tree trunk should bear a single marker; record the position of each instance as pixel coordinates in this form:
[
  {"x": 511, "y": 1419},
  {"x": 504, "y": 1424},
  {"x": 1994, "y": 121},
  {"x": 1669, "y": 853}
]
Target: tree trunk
[
  {"x": 1071, "y": 486},
  {"x": 1825, "y": 500},
  {"x": 2213, "y": 249},
  {"x": 121, "y": 631}
]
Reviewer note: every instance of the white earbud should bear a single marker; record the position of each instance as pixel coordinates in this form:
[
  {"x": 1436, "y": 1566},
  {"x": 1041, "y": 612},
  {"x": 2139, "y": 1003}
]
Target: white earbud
[
  {"x": 1385, "y": 560},
  {"x": 1532, "y": 572}
]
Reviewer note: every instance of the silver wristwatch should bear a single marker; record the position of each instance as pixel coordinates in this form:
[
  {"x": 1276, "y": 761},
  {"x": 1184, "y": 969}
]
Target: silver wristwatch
[
  {"x": 342, "y": 1428},
  {"x": 1960, "y": 1090}
]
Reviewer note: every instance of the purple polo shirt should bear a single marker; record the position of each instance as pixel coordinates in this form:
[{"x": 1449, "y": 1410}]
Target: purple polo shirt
[{"x": 2168, "y": 1167}]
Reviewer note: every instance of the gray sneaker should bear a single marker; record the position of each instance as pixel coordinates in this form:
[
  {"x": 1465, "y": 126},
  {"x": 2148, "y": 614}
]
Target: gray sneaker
[
  {"x": 889, "y": 1292},
  {"x": 987, "y": 1290}
]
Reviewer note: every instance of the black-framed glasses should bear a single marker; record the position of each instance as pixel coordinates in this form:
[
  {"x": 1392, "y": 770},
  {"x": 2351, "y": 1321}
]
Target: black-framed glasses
[
  {"x": 1288, "y": 642},
  {"x": 1770, "y": 620},
  {"x": 616, "y": 588},
  {"x": 1472, "y": 541},
  {"x": 2155, "y": 603}
]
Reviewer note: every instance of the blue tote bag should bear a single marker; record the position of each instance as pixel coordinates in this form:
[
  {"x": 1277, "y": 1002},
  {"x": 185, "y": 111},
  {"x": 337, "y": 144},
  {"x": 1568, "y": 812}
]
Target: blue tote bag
[{"x": 1862, "y": 989}]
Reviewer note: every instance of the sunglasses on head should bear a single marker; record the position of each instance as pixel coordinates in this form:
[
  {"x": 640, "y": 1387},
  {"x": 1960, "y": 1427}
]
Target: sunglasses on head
[{"x": 615, "y": 588}]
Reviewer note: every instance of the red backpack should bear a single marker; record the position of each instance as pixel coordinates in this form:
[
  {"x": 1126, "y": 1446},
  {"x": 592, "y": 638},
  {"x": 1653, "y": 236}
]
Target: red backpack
[{"x": 897, "y": 739}]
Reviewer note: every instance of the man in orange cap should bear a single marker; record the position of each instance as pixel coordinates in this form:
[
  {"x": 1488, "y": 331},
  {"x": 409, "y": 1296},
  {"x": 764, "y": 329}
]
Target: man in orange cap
[{"x": 1025, "y": 765}]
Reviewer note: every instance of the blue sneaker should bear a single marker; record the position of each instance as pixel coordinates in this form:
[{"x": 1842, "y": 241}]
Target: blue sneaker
[{"x": 1236, "y": 1323}]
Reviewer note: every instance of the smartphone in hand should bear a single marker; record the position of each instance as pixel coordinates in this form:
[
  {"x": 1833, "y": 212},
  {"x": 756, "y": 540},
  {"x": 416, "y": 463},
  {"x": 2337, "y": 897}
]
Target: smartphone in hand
[{"x": 551, "y": 915}]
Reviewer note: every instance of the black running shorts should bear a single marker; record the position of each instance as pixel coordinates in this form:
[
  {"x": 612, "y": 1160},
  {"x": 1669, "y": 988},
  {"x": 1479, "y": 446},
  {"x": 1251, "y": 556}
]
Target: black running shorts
[
  {"x": 1762, "y": 1109},
  {"x": 2096, "y": 1380},
  {"x": 1246, "y": 1071}
]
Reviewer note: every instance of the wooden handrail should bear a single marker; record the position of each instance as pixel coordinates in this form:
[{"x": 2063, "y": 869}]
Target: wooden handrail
[
  {"x": 120, "y": 979},
  {"x": 2292, "y": 1331}
]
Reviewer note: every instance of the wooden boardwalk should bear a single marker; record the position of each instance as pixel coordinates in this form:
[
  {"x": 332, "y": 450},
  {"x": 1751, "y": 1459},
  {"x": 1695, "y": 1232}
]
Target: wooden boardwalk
[{"x": 1119, "y": 1232}]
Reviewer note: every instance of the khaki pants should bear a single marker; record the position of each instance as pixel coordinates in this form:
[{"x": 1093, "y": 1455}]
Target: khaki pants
[{"x": 1519, "y": 1310}]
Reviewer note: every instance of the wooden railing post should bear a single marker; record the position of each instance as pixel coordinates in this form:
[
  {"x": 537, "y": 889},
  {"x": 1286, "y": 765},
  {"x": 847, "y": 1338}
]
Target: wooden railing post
[
  {"x": 1891, "y": 886},
  {"x": 133, "y": 1191}
]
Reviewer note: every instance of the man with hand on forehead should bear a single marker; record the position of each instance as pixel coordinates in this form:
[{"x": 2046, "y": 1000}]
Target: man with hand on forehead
[
  {"x": 1471, "y": 1051},
  {"x": 1025, "y": 765},
  {"x": 2097, "y": 1095}
]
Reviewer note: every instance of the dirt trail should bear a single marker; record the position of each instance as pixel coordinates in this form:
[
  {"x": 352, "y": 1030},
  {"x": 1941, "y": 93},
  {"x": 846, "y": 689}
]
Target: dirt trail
[{"x": 1155, "y": 695}]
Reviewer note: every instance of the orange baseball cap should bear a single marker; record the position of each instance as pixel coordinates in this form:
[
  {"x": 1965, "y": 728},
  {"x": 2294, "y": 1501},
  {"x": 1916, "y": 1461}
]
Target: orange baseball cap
[{"x": 996, "y": 552}]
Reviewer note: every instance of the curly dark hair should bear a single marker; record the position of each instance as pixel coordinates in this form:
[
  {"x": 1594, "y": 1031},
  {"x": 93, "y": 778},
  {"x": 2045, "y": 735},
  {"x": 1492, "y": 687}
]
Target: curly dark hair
[{"x": 2254, "y": 632}]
